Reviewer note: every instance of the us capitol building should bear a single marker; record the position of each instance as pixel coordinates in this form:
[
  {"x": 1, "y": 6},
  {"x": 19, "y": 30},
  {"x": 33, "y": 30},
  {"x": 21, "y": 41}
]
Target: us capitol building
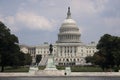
[{"x": 68, "y": 49}]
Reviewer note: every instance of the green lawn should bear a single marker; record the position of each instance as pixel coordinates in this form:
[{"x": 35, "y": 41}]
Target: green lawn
[
  {"x": 78, "y": 68},
  {"x": 41, "y": 67},
  {"x": 73, "y": 69},
  {"x": 18, "y": 69},
  {"x": 60, "y": 67},
  {"x": 86, "y": 69},
  {"x": 82, "y": 68}
]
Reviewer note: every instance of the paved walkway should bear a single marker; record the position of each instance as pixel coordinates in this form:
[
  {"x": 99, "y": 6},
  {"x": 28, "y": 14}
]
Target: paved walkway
[
  {"x": 95, "y": 74},
  {"x": 71, "y": 74}
]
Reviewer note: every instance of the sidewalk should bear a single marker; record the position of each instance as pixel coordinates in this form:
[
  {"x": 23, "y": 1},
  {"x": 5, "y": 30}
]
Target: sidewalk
[{"x": 71, "y": 74}]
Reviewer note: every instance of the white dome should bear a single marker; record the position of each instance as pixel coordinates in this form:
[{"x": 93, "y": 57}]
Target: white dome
[
  {"x": 69, "y": 32},
  {"x": 69, "y": 26},
  {"x": 67, "y": 21}
]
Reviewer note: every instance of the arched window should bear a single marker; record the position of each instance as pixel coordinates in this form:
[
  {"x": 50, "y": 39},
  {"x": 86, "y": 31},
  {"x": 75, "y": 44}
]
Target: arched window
[
  {"x": 89, "y": 51},
  {"x": 65, "y": 51},
  {"x": 81, "y": 50},
  {"x": 71, "y": 51},
  {"x": 63, "y": 59},
  {"x": 56, "y": 59},
  {"x": 68, "y": 50},
  {"x": 59, "y": 59},
  {"x": 67, "y": 60},
  {"x": 74, "y": 60}
]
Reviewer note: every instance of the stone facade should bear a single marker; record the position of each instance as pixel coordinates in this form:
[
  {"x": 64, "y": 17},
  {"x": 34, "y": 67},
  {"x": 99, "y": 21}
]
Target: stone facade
[{"x": 68, "y": 49}]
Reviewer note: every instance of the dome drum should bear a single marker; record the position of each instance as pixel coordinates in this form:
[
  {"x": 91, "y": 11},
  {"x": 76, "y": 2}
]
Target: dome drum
[
  {"x": 69, "y": 29},
  {"x": 68, "y": 38},
  {"x": 69, "y": 33}
]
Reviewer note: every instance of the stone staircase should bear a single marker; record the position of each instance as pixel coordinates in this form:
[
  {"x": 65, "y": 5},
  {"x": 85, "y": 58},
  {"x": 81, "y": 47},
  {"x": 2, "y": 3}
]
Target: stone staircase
[{"x": 43, "y": 62}]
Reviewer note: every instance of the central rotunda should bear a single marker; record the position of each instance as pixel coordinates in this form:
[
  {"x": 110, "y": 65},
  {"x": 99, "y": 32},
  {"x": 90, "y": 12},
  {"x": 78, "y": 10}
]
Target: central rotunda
[{"x": 69, "y": 32}]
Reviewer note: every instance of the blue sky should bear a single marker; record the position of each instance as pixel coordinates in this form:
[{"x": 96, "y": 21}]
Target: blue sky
[{"x": 38, "y": 21}]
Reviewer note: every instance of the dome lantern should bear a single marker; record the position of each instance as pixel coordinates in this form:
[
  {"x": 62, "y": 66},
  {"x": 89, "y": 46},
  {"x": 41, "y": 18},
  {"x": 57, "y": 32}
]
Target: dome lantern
[{"x": 68, "y": 14}]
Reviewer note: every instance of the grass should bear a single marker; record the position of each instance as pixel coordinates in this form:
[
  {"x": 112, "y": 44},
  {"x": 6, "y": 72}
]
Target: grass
[
  {"x": 41, "y": 67},
  {"x": 18, "y": 69},
  {"x": 73, "y": 69},
  {"x": 82, "y": 68},
  {"x": 86, "y": 69},
  {"x": 60, "y": 67},
  {"x": 78, "y": 68}
]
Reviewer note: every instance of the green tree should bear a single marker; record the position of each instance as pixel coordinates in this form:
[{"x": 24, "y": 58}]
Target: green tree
[
  {"x": 105, "y": 46},
  {"x": 116, "y": 51},
  {"x": 89, "y": 59},
  {"x": 109, "y": 50},
  {"x": 99, "y": 59},
  {"x": 38, "y": 58},
  {"x": 9, "y": 48},
  {"x": 21, "y": 59},
  {"x": 28, "y": 59}
]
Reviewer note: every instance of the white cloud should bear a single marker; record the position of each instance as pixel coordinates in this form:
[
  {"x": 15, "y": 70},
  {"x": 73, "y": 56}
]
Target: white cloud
[
  {"x": 32, "y": 1},
  {"x": 9, "y": 21},
  {"x": 34, "y": 21},
  {"x": 1, "y": 18},
  {"x": 89, "y": 7},
  {"x": 83, "y": 6},
  {"x": 29, "y": 20},
  {"x": 112, "y": 21}
]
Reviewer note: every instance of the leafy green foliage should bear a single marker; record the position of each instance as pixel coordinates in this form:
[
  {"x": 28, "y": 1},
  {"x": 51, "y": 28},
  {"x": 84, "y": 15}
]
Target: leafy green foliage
[
  {"x": 108, "y": 55},
  {"x": 28, "y": 59},
  {"x": 10, "y": 54},
  {"x": 8, "y": 47},
  {"x": 99, "y": 59},
  {"x": 88, "y": 59},
  {"x": 41, "y": 67},
  {"x": 86, "y": 69},
  {"x": 18, "y": 69},
  {"x": 38, "y": 58},
  {"x": 60, "y": 67}
]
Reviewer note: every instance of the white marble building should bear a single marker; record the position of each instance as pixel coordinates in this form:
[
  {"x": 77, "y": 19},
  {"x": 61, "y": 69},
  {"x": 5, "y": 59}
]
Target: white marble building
[{"x": 68, "y": 49}]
